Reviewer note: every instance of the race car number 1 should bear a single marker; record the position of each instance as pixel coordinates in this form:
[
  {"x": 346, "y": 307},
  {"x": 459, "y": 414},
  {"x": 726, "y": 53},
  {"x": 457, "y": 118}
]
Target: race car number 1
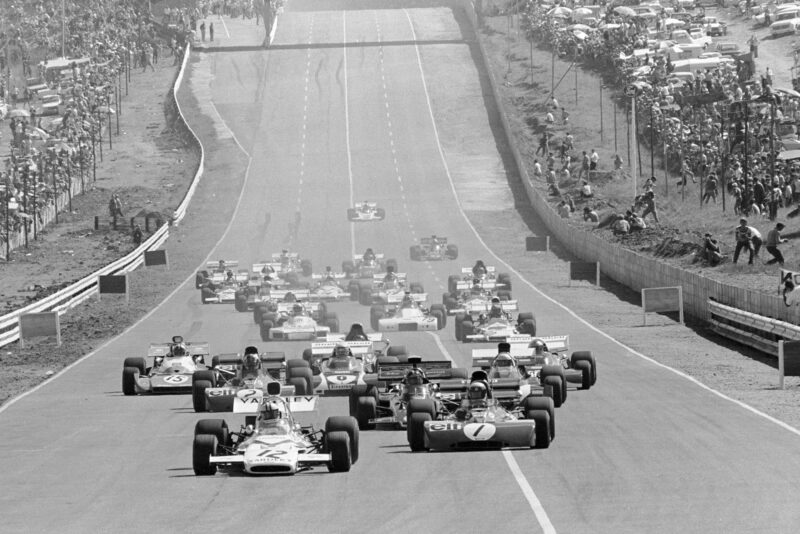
[{"x": 479, "y": 431}]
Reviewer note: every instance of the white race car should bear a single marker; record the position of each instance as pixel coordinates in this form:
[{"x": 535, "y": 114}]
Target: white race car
[
  {"x": 272, "y": 442},
  {"x": 407, "y": 313},
  {"x": 493, "y": 322},
  {"x": 328, "y": 287},
  {"x": 366, "y": 211},
  {"x": 339, "y": 373}
]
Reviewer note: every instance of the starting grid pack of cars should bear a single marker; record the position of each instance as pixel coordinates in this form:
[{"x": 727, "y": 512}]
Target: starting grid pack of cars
[{"x": 507, "y": 399}]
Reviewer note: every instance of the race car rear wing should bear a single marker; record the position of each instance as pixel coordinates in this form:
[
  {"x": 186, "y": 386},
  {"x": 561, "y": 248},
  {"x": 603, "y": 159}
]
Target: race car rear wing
[
  {"x": 325, "y": 348},
  {"x": 278, "y": 256},
  {"x": 483, "y": 358},
  {"x": 483, "y": 307},
  {"x": 193, "y": 349},
  {"x": 397, "y": 298},
  {"x": 280, "y": 294},
  {"x": 272, "y": 266},
  {"x": 431, "y": 241},
  {"x": 228, "y": 264},
  {"x": 394, "y": 372},
  {"x": 468, "y": 270},
  {"x": 326, "y": 275},
  {"x": 373, "y": 337},
  {"x": 360, "y": 257},
  {"x": 400, "y": 277},
  {"x": 466, "y": 285}
]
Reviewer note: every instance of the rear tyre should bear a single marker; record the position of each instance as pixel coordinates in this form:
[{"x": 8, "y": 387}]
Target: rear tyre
[
  {"x": 339, "y": 447},
  {"x": 443, "y": 310},
  {"x": 199, "y": 395},
  {"x": 505, "y": 280},
  {"x": 554, "y": 382},
  {"x": 466, "y": 330},
  {"x": 299, "y": 384},
  {"x": 415, "y": 431},
  {"x": 366, "y": 409},
  {"x": 542, "y": 429},
  {"x": 305, "y": 266},
  {"x": 137, "y": 362},
  {"x": 204, "y": 447},
  {"x": 301, "y": 373},
  {"x": 365, "y": 297},
  {"x": 585, "y": 369},
  {"x": 346, "y": 424},
  {"x": 240, "y": 302},
  {"x": 542, "y": 404},
  {"x": 266, "y": 326},
  {"x": 380, "y": 213},
  {"x": 417, "y": 287},
  {"x": 396, "y": 350},
  {"x": 359, "y": 391},
  {"x": 556, "y": 370},
  {"x": 129, "y": 377},
  {"x": 452, "y": 252},
  {"x": 386, "y": 359},
  {"x": 528, "y": 327},
  {"x": 258, "y": 312},
  {"x": 422, "y": 406},
  {"x": 375, "y": 315},
  {"x": 439, "y": 316},
  {"x": 216, "y": 427},
  {"x": 452, "y": 283},
  {"x": 208, "y": 376},
  {"x": 586, "y": 355}
]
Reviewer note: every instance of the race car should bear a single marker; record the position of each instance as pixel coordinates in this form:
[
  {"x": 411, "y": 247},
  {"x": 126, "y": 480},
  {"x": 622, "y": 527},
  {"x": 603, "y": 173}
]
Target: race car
[
  {"x": 362, "y": 268},
  {"x": 366, "y": 211},
  {"x": 487, "y": 274},
  {"x": 296, "y": 321},
  {"x": 170, "y": 370},
  {"x": 480, "y": 422},
  {"x": 476, "y": 294},
  {"x": 386, "y": 288},
  {"x": 518, "y": 370},
  {"x": 220, "y": 286},
  {"x": 494, "y": 322},
  {"x": 397, "y": 384},
  {"x": 272, "y": 442},
  {"x": 215, "y": 389},
  {"x": 328, "y": 287},
  {"x": 284, "y": 265},
  {"x": 433, "y": 248},
  {"x": 340, "y": 365},
  {"x": 219, "y": 268},
  {"x": 407, "y": 313},
  {"x": 268, "y": 300}
]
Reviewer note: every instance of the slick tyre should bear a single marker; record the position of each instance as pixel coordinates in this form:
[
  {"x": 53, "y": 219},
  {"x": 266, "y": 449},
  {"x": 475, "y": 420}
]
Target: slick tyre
[
  {"x": 542, "y": 429},
  {"x": 359, "y": 391},
  {"x": 204, "y": 447},
  {"x": 301, "y": 374},
  {"x": 129, "y": 377},
  {"x": 585, "y": 368},
  {"x": 199, "y": 395},
  {"x": 586, "y": 355},
  {"x": 137, "y": 362},
  {"x": 396, "y": 350},
  {"x": 422, "y": 406},
  {"x": 555, "y": 385},
  {"x": 266, "y": 326},
  {"x": 216, "y": 427},
  {"x": 366, "y": 409},
  {"x": 346, "y": 424},
  {"x": 204, "y": 375},
  {"x": 531, "y": 404},
  {"x": 338, "y": 446},
  {"x": 415, "y": 431}
]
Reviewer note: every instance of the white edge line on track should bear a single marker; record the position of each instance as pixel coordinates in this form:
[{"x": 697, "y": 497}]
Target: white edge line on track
[
  {"x": 347, "y": 131},
  {"x": 721, "y": 395},
  {"x": 527, "y": 491},
  {"x": 36, "y": 388}
]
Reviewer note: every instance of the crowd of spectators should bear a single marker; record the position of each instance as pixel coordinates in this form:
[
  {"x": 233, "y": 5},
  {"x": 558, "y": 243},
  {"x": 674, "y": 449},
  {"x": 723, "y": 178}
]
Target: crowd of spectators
[
  {"x": 721, "y": 127},
  {"x": 106, "y": 41}
]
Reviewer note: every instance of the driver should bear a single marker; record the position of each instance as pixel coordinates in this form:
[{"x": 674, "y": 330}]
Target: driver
[
  {"x": 356, "y": 333},
  {"x": 503, "y": 365},
  {"x": 477, "y": 397},
  {"x": 284, "y": 257},
  {"x": 414, "y": 379},
  {"x": 408, "y": 301},
  {"x": 477, "y": 289},
  {"x": 229, "y": 276},
  {"x": 540, "y": 352},
  {"x": 329, "y": 277},
  {"x": 479, "y": 269},
  {"x": 179, "y": 350},
  {"x": 272, "y": 420},
  {"x": 251, "y": 363},
  {"x": 221, "y": 266},
  {"x": 369, "y": 256},
  {"x": 341, "y": 355},
  {"x": 297, "y": 310},
  {"x": 390, "y": 276},
  {"x": 364, "y": 206},
  {"x": 496, "y": 310}
]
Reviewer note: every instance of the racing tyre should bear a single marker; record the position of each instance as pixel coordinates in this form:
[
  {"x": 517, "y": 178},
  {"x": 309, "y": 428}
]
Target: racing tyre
[
  {"x": 446, "y": 297},
  {"x": 504, "y": 294},
  {"x": 200, "y": 278},
  {"x": 208, "y": 376},
  {"x": 348, "y": 267},
  {"x": 366, "y": 409},
  {"x": 206, "y": 293},
  {"x": 402, "y": 358},
  {"x": 585, "y": 369},
  {"x": 199, "y": 395},
  {"x": 204, "y": 447},
  {"x": 214, "y": 362},
  {"x": 339, "y": 447},
  {"x": 458, "y": 372},
  {"x": 416, "y": 253},
  {"x": 554, "y": 382},
  {"x": 301, "y": 373},
  {"x": 422, "y": 406},
  {"x": 355, "y": 290},
  {"x": 466, "y": 330},
  {"x": 129, "y": 377},
  {"x": 450, "y": 303},
  {"x": 417, "y": 287},
  {"x": 344, "y": 423},
  {"x": 296, "y": 362},
  {"x": 415, "y": 431},
  {"x": 240, "y": 302},
  {"x": 365, "y": 297},
  {"x": 396, "y": 350},
  {"x": 460, "y": 318},
  {"x": 270, "y": 316},
  {"x": 439, "y": 318},
  {"x": 524, "y": 316},
  {"x": 528, "y": 326},
  {"x": 542, "y": 429},
  {"x": 375, "y": 315},
  {"x": 307, "y": 355},
  {"x": 258, "y": 312},
  {"x": 586, "y": 355},
  {"x": 452, "y": 283},
  {"x": 391, "y": 262},
  {"x": 305, "y": 266},
  {"x": 333, "y": 324},
  {"x": 386, "y": 359},
  {"x": 215, "y": 427},
  {"x": 505, "y": 279},
  {"x": 266, "y": 326},
  {"x": 380, "y": 213},
  {"x": 541, "y": 404},
  {"x": 452, "y": 252},
  {"x": 441, "y": 308},
  {"x": 299, "y": 384},
  {"x": 556, "y": 370},
  {"x": 361, "y": 390},
  {"x": 137, "y": 362}
]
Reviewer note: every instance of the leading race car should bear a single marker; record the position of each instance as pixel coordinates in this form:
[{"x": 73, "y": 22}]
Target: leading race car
[
  {"x": 366, "y": 211},
  {"x": 494, "y": 322},
  {"x": 297, "y": 321},
  {"x": 386, "y": 401},
  {"x": 487, "y": 275},
  {"x": 272, "y": 442},
  {"x": 170, "y": 370},
  {"x": 480, "y": 422},
  {"x": 433, "y": 248},
  {"x": 407, "y": 313},
  {"x": 215, "y": 389}
]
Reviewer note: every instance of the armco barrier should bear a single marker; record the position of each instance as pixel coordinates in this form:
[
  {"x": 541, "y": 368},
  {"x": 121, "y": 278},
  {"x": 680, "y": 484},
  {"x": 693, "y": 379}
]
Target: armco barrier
[
  {"x": 756, "y": 331},
  {"x": 78, "y": 292},
  {"x": 626, "y": 266},
  {"x": 73, "y": 295}
]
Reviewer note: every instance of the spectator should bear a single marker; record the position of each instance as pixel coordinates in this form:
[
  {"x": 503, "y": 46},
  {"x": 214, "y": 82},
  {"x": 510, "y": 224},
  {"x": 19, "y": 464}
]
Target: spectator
[
  {"x": 621, "y": 226},
  {"x": 710, "y": 189},
  {"x": 590, "y": 215},
  {"x": 564, "y": 116},
  {"x": 773, "y": 240},
  {"x": 563, "y": 210},
  {"x": 203, "y": 31},
  {"x": 211, "y": 31},
  {"x": 594, "y": 159},
  {"x": 584, "y": 166},
  {"x": 744, "y": 240},
  {"x": 115, "y": 206},
  {"x": 757, "y": 240},
  {"x": 537, "y": 169},
  {"x": 649, "y": 203},
  {"x": 711, "y": 251},
  {"x": 586, "y": 190}
]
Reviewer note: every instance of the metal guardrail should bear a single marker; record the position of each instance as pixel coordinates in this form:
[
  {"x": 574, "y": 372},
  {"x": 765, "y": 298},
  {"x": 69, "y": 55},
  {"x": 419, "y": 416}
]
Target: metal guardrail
[
  {"x": 761, "y": 333},
  {"x": 81, "y": 290}
]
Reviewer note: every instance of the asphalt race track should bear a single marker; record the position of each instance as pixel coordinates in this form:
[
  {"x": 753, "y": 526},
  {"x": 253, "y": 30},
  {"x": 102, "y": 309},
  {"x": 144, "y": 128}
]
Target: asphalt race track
[{"x": 384, "y": 117}]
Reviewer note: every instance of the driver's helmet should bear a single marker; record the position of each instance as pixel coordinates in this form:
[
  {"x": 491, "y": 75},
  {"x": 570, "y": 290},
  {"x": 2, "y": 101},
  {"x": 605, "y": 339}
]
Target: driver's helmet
[
  {"x": 229, "y": 275},
  {"x": 341, "y": 350},
  {"x": 271, "y": 410},
  {"x": 221, "y": 265},
  {"x": 503, "y": 365},
  {"x": 179, "y": 350},
  {"x": 289, "y": 297},
  {"x": 415, "y": 377},
  {"x": 356, "y": 333},
  {"x": 408, "y": 300},
  {"x": 476, "y": 286},
  {"x": 478, "y": 391},
  {"x": 251, "y": 363},
  {"x": 539, "y": 347},
  {"x": 496, "y": 307}
]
